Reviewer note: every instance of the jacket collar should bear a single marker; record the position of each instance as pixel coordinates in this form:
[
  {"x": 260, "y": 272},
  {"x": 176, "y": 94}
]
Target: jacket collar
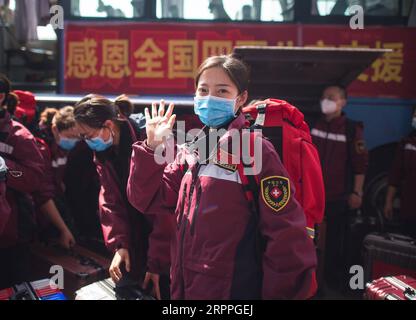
[{"x": 338, "y": 121}]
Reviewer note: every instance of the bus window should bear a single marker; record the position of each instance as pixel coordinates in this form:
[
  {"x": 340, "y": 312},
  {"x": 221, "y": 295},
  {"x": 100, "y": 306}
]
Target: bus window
[
  {"x": 383, "y": 8},
  {"x": 107, "y": 8},
  {"x": 226, "y": 10}
]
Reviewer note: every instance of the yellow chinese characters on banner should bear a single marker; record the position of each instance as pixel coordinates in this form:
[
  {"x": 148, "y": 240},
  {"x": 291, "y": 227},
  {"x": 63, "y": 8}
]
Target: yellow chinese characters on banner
[
  {"x": 149, "y": 60},
  {"x": 183, "y": 58},
  {"x": 216, "y": 47},
  {"x": 82, "y": 59},
  {"x": 115, "y": 59},
  {"x": 387, "y": 68},
  {"x": 254, "y": 43}
]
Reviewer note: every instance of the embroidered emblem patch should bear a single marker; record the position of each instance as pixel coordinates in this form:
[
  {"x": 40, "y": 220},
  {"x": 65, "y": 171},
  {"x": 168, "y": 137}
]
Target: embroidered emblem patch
[
  {"x": 275, "y": 192},
  {"x": 360, "y": 146}
]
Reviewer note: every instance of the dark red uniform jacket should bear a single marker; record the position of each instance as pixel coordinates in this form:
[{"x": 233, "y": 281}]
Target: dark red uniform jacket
[
  {"x": 58, "y": 159},
  {"x": 26, "y": 166},
  {"x": 403, "y": 176},
  {"x": 122, "y": 225},
  {"x": 47, "y": 188},
  {"x": 215, "y": 253},
  {"x": 4, "y": 205},
  {"x": 342, "y": 157}
]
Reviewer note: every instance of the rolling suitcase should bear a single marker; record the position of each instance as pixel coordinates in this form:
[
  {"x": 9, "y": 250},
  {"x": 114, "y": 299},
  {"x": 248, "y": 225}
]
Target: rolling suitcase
[
  {"x": 81, "y": 266},
  {"x": 389, "y": 255},
  {"x": 37, "y": 290},
  {"x": 391, "y": 288},
  {"x": 107, "y": 290},
  {"x": 101, "y": 290}
]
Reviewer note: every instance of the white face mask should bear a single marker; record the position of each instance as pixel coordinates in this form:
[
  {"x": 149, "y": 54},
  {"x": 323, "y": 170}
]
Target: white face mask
[
  {"x": 414, "y": 122},
  {"x": 328, "y": 106}
]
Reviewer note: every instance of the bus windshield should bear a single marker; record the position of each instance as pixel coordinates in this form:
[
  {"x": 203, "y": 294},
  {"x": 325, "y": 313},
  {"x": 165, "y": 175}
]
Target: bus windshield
[
  {"x": 107, "y": 8},
  {"x": 217, "y": 10},
  {"x": 384, "y": 8},
  {"x": 226, "y": 10}
]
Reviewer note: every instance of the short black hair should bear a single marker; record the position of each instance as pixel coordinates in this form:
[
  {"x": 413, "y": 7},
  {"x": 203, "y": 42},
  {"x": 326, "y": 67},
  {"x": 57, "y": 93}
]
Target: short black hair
[
  {"x": 235, "y": 68},
  {"x": 94, "y": 111},
  {"x": 341, "y": 89},
  {"x": 5, "y": 87}
]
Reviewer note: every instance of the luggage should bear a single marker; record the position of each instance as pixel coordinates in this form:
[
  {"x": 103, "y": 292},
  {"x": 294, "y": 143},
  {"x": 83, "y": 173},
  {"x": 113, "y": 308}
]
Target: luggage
[
  {"x": 358, "y": 227},
  {"x": 37, "y": 290},
  {"x": 81, "y": 266},
  {"x": 107, "y": 290},
  {"x": 389, "y": 255},
  {"x": 101, "y": 290},
  {"x": 391, "y": 288}
]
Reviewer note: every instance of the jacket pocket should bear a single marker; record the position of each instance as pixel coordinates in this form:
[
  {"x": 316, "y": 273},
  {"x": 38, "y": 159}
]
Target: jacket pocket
[{"x": 207, "y": 280}]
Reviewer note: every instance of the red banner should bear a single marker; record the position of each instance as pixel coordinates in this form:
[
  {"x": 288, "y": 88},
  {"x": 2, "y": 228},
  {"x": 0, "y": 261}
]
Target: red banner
[{"x": 162, "y": 58}]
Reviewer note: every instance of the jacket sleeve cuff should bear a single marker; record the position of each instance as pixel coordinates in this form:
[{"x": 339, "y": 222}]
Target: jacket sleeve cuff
[
  {"x": 118, "y": 245},
  {"x": 153, "y": 266},
  {"x": 157, "y": 158}
]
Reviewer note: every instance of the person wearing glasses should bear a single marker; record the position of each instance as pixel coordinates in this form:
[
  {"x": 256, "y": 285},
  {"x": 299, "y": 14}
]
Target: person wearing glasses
[{"x": 140, "y": 245}]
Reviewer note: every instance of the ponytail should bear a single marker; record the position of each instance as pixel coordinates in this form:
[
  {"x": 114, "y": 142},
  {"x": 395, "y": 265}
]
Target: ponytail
[
  {"x": 11, "y": 102},
  {"x": 5, "y": 88},
  {"x": 124, "y": 105}
]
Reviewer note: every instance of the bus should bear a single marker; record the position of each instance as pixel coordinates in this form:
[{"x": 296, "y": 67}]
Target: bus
[{"x": 152, "y": 48}]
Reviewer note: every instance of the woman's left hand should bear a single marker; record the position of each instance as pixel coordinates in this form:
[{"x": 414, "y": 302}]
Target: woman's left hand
[
  {"x": 154, "y": 278},
  {"x": 66, "y": 239},
  {"x": 355, "y": 201}
]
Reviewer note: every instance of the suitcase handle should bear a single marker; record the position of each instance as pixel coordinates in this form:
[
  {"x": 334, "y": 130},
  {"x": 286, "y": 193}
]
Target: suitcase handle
[
  {"x": 84, "y": 261},
  {"x": 394, "y": 236},
  {"x": 408, "y": 292},
  {"x": 24, "y": 291}
]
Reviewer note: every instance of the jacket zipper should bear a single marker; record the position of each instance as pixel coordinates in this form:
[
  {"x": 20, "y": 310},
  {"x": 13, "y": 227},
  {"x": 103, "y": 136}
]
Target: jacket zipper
[
  {"x": 195, "y": 215},
  {"x": 181, "y": 266},
  {"x": 182, "y": 207}
]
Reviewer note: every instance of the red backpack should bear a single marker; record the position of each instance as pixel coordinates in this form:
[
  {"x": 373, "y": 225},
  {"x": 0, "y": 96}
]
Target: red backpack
[
  {"x": 26, "y": 109},
  {"x": 284, "y": 125}
]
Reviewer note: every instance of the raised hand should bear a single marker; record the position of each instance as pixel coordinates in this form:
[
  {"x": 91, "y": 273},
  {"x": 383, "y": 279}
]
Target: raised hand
[{"x": 159, "y": 125}]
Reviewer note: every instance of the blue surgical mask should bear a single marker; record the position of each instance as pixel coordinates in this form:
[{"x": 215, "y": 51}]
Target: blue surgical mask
[
  {"x": 68, "y": 144},
  {"x": 98, "y": 144},
  {"x": 214, "y": 111},
  {"x": 414, "y": 122}
]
